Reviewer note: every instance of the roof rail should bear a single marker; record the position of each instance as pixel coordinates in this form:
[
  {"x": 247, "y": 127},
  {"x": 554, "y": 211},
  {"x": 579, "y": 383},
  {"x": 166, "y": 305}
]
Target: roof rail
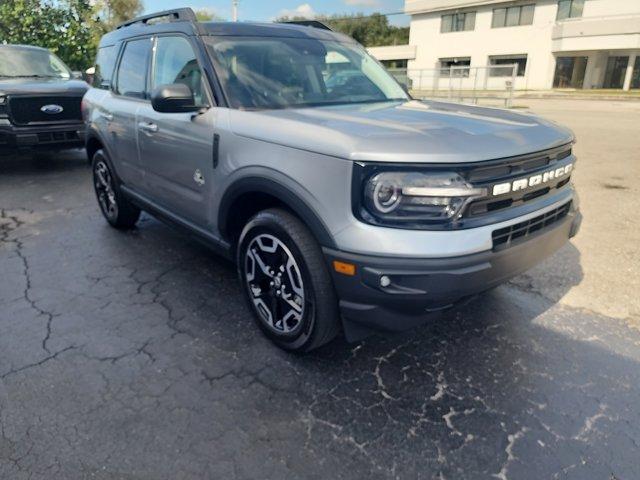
[
  {"x": 177, "y": 15},
  {"x": 309, "y": 23}
]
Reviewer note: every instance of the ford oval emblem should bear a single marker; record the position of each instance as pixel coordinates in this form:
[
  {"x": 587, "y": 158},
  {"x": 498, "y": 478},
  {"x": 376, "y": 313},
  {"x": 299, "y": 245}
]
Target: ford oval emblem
[{"x": 52, "y": 109}]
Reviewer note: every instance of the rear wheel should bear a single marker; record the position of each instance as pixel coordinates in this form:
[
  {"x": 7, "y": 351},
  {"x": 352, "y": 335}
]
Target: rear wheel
[
  {"x": 288, "y": 285},
  {"x": 116, "y": 209}
]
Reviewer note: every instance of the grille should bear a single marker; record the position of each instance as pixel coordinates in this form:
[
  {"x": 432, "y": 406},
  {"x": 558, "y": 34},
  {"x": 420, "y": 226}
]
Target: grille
[
  {"x": 519, "y": 166},
  {"x": 53, "y": 137},
  {"x": 26, "y": 110},
  {"x": 508, "y": 171},
  {"x": 505, "y": 237}
]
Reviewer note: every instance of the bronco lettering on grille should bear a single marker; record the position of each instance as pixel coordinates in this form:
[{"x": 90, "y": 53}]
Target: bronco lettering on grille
[{"x": 539, "y": 179}]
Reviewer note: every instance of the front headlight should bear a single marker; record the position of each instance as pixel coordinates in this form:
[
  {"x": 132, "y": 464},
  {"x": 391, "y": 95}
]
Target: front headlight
[{"x": 404, "y": 197}]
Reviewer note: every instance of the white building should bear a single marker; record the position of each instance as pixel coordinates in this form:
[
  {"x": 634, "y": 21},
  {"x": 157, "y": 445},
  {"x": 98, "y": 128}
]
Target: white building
[{"x": 556, "y": 43}]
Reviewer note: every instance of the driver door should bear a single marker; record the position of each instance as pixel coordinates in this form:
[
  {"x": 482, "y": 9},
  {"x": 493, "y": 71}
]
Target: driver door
[{"x": 176, "y": 149}]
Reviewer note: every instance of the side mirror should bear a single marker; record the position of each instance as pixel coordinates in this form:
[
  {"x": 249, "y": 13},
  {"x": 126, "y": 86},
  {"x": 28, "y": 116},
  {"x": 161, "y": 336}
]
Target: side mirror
[{"x": 173, "y": 98}]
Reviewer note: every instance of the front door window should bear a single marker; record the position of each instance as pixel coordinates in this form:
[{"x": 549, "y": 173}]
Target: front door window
[
  {"x": 570, "y": 72},
  {"x": 175, "y": 62},
  {"x": 615, "y": 73}
]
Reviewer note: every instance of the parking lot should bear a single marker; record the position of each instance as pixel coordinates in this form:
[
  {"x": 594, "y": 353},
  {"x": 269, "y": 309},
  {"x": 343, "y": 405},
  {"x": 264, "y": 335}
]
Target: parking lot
[{"x": 133, "y": 355}]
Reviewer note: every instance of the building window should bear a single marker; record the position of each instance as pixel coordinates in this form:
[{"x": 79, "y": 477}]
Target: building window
[
  {"x": 570, "y": 9},
  {"x": 502, "y": 65},
  {"x": 570, "y": 72},
  {"x": 513, "y": 16},
  {"x": 394, "y": 64},
  {"x": 455, "y": 67},
  {"x": 615, "y": 72},
  {"x": 458, "y": 22},
  {"x": 635, "y": 79}
]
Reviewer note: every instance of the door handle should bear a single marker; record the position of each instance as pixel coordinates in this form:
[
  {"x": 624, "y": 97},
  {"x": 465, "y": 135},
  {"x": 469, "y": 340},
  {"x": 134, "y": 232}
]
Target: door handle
[
  {"x": 148, "y": 127},
  {"x": 107, "y": 116}
]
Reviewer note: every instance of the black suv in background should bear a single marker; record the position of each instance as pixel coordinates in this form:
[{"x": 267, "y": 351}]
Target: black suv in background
[{"x": 40, "y": 100}]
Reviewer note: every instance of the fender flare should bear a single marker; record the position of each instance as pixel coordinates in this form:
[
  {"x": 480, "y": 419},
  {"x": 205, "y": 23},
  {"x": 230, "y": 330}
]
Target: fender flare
[
  {"x": 255, "y": 184},
  {"x": 94, "y": 134}
]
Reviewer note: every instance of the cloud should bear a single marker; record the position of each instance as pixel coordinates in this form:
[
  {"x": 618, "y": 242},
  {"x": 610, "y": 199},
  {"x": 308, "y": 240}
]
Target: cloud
[
  {"x": 304, "y": 10},
  {"x": 363, "y": 3}
]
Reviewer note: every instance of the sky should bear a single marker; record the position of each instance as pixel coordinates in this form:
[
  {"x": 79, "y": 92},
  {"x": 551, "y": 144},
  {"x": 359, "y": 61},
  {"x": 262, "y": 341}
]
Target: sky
[{"x": 267, "y": 10}]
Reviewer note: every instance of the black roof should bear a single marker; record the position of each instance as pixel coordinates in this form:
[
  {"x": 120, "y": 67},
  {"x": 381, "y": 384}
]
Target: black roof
[{"x": 135, "y": 28}]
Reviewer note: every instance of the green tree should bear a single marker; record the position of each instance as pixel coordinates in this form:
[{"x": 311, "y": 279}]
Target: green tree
[
  {"x": 207, "y": 16},
  {"x": 63, "y": 26},
  {"x": 114, "y": 12},
  {"x": 370, "y": 30}
]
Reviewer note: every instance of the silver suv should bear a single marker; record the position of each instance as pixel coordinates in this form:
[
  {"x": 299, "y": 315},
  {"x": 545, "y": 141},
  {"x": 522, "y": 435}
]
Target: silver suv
[{"x": 344, "y": 202}]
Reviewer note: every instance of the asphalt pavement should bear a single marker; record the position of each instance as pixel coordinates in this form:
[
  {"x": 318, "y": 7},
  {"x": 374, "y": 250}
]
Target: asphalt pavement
[{"x": 133, "y": 356}]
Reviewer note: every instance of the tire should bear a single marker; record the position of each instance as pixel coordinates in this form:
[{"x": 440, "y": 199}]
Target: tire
[
  {"x": 281, "y": 266},
  {"x": 116, "y": 209}
]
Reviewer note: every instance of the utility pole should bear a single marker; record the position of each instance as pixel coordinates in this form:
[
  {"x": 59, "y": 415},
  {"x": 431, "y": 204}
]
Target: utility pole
[{"x": 235, "y": 10}]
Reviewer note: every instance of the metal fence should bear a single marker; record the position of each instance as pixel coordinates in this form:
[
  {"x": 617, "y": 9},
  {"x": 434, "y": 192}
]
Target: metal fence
[{"x": 494, "y": 83}]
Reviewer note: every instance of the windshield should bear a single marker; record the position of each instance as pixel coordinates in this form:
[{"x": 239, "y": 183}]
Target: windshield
[
  {"x": 31, "y": 62},
  {"x": 266, "y": 73}
]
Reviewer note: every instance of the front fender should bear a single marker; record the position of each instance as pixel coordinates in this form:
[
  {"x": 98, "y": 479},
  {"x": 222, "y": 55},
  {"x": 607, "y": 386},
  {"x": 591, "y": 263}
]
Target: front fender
[{"x": 254, "y": 183}]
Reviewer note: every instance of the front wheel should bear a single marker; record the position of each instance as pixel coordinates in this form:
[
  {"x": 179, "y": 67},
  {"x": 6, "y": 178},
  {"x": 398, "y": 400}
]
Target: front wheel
[{"x": 286, "y": 280}]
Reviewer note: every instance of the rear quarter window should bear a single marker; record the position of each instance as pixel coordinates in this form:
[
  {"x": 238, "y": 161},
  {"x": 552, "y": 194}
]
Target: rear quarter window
[{"x": 105, "y": 64}]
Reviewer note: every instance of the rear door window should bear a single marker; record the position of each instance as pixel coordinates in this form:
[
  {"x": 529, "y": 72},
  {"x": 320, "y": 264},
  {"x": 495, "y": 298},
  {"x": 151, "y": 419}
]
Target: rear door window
[
  {"x": 105, "y": 64},
  {"x": 132, "y": 72}
]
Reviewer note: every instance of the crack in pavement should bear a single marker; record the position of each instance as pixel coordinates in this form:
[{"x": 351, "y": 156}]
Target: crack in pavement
[
  {"x": 512, "y": 438},
  {"x": 53, "y": 356},
  {"x": 9, "y": 224}
]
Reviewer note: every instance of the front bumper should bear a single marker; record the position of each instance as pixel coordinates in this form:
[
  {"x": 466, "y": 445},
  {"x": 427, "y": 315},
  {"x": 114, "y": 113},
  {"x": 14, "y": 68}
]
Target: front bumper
[
  {"x": 421, "y": 286},
  {"x": 41, "y": 137}
]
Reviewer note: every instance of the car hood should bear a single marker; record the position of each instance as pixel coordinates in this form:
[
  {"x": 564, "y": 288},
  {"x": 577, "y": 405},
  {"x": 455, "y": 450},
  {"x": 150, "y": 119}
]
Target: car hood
[
  {"x": 409, "y": 132},
  {"x": 42, "y": 86}
]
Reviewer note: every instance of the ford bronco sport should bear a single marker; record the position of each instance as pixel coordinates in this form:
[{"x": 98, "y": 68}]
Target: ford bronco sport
[
  {"x": 40, "y": 101},
  {"x": 342, "y": 200}
]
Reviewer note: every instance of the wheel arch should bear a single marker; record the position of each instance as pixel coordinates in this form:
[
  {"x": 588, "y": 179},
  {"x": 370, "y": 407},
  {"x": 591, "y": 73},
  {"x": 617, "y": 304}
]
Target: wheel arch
[
  {"x": 250, "y": 195},
  {"x": 96, "y": 141},
  {"x": 92, "y": 145}
]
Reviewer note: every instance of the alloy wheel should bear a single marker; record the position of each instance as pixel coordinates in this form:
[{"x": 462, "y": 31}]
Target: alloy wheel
[
  {"x": 275, "y": 285},
  {"x": 104, "y": 189}
]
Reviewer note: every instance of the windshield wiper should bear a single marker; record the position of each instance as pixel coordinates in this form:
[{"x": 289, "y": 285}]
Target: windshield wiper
[
  {"x": 346, "y": 102},
  {"x": 332, "y": 103}
]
